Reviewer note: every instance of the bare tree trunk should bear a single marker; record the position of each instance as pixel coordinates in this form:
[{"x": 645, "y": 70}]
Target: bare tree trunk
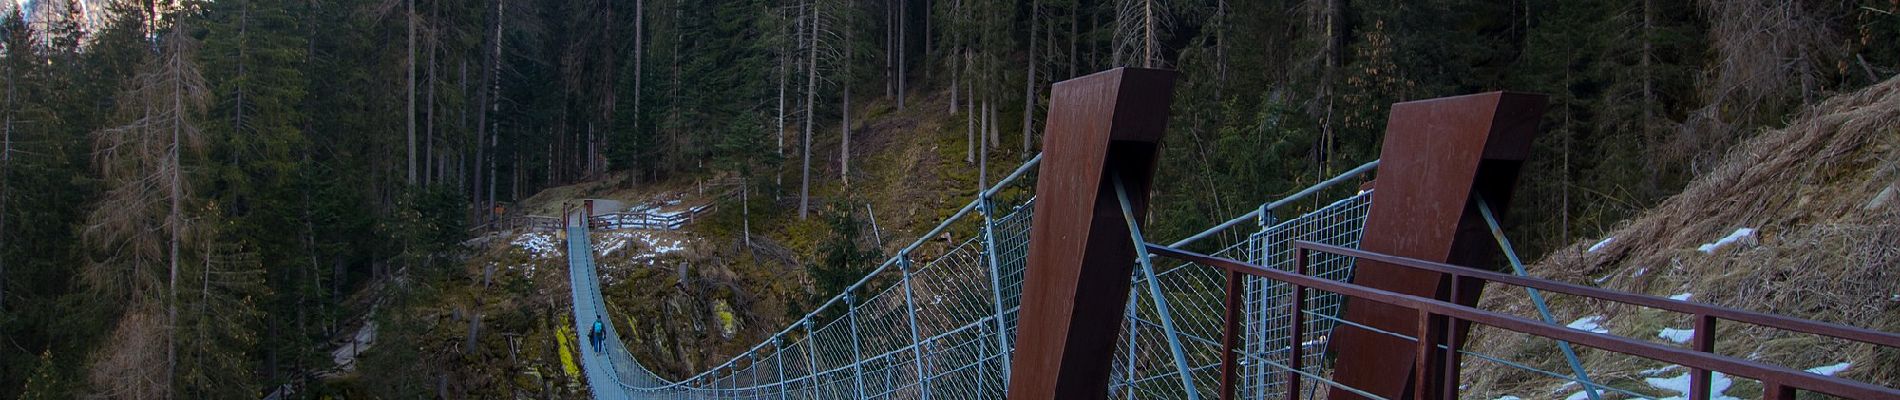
[
  {"x": 494, "y": 107},
  {"x": 890, "y": 51},
  {"x": 431, "y": 170},
  {"x": 1148, "y": 34},
  {"x": 811, "y": 88},
  {"x": 639, "y": 50},
  {"x": 175, "y": 221},
  {"x": 1029, "y": 84},
  {"x": 844, "y": 121},
  {"x": 745, "y": 210},
  {"x": 411, "y": 115},
  {"x": 903, "y": 8},
  {"x": 969, "y": 115},
  {"x": 484, "y": 210},
  {"x": 994, "y": 122},
  {"x": 785, "y": 60},
  {"x": 1649, "y": 138},
  {"x": 6, "y": 179},
  {"x": 1220, "y": 46},
  {"x": 983, "y": 150},
  {"x": 1075, "y": 18},
  {"x": 926, "y": 33}
]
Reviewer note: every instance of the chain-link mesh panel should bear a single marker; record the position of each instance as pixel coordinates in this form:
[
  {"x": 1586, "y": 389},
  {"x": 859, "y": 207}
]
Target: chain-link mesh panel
[
  {"x": 1195, "y": 294},
  {"x": 943, "y": 326}
]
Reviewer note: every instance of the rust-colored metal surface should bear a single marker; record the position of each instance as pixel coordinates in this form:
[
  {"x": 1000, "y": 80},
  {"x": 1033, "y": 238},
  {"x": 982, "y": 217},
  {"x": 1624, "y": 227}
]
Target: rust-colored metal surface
[
  {"x": 1437, "y": 154},
  {"x": 1076, "y": 284}
]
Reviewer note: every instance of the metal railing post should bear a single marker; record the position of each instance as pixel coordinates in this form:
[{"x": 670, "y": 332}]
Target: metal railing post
[
  {"x": 1154, "y": 290},
  {"x": 1297, "y": 329},
  {"x": 916, "y": 342},
  {"x": 996, "y": 282},
  {"x": 1230, "y": 333},
  {"x": 857, "y": 354},
  {"x": 811, "y": 358},
  {"x": 1537, "y": 298},
  {"x": 1704, "y": 341},
  {"x": 778, "y": 347}
]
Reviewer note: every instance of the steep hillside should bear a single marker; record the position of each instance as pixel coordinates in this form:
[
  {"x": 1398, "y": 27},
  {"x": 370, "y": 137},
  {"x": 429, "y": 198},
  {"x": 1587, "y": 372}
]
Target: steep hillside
[
  {"x": 689, "y": 299},
  {"x": 1799, "y": 221}
]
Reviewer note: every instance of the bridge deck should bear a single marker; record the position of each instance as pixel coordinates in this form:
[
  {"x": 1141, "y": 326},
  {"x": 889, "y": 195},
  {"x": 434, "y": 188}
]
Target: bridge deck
[{"x": 611, "y": 373}]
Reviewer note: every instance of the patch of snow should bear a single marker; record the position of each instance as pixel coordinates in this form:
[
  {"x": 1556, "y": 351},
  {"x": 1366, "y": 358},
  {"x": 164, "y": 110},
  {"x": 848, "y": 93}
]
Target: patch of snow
[
  {"x": 537, "y": 244},
  {"x": 1602, "y": 279},
  {"x": 1592, "y": 324},
  {"x": 1508, "y": 397},
  {"x": 614, "y": 241},
  {"x": 1681, "y": 296},
  {"x": 1740, "y": 234},
  {"x": 1830, "y": 370},
  {"x": 1679, "y": 336},
  {"x": 1600, "y": 244},
  {"x": 1579, "y": 395},
  {"x": 1639, "y": 272},
  {"x": 1718, "y": 383},
  {"x": 1659, "y": 371}
]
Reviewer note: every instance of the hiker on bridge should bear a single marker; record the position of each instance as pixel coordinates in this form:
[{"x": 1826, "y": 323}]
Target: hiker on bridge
[{"x": 598, "y": 335}]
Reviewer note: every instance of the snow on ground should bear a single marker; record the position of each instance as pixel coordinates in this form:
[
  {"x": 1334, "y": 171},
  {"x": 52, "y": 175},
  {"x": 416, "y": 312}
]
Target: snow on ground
[
  {"x": 537, "y": 244},
  {"x": 644, "y": 245},
  {"x": 614, "y": 241},
  {"x": 1679, "y": 336},
  {"x": 1508, "y": 397},
  {"x": 1579, "y": 395},
  {"x": 1740, "y": 234},
  {"x": 1830, "y": 370},
  {"x": 1600, "y": 244},
  {"x": 1593, "y": 324},
  {"x": 1681, "y": 296},
  {"x": 1718, "y": 383},
  {"x": 1658, "y": 371}
]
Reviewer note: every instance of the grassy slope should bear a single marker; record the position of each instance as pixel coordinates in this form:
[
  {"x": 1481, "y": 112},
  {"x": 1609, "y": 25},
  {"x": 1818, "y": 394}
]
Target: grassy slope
[{"x": 1821, "y": 195}]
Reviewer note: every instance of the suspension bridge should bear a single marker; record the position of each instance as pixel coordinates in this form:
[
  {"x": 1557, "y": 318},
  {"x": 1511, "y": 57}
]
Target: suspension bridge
[{"x": 1350, "y": 288}]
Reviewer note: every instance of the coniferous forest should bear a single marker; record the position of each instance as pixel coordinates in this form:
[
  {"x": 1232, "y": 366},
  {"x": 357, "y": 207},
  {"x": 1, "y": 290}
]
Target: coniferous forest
[{"x": 196, "y": 196}]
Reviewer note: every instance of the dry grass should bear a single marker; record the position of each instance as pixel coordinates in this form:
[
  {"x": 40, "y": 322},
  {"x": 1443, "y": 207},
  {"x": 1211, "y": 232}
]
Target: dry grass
[{"x": 1819, "y": 192}]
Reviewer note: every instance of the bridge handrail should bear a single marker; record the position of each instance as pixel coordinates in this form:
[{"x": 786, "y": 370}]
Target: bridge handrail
[
  {"x": 1277, "y": 204},
  {"x": 882, "y": 267},
  {"x": 1853, "y": 333},
  {"x": 1778, "y": 379}
]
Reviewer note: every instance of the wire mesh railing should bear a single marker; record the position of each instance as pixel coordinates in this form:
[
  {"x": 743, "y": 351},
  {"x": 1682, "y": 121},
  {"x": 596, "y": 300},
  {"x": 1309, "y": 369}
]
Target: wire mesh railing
[{"x": 943, "y": 325}]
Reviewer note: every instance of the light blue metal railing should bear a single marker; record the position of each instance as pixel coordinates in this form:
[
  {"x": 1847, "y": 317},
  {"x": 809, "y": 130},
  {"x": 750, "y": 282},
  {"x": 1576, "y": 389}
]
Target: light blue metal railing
[{"x": 942, "y": 324}]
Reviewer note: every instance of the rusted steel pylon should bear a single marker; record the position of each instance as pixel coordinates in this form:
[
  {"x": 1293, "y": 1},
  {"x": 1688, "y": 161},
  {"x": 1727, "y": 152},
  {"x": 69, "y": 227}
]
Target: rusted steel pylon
[
  {"x": 1438, "y": 155},
  {"x": 1080, "y": 257}
]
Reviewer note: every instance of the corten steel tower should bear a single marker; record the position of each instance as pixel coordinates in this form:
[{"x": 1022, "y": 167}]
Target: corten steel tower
[
  {"x": 1439, "y": 156},
  {"x": 1080, "y": 256}
]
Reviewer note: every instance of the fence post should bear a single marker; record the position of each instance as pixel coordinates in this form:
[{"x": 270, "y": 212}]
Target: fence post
[
  {"x": 811, "y": 358},
  {"x": 1076, "y": 284},
  {"x": 1438, "y": 155},
  {"x": 857, "y": 354},
  {"x": 996, "y": 280},
  {"x": 916, "y": 340},
  {"x": 778, "y": 357},
  {"x": 1704, "y": 341}
]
